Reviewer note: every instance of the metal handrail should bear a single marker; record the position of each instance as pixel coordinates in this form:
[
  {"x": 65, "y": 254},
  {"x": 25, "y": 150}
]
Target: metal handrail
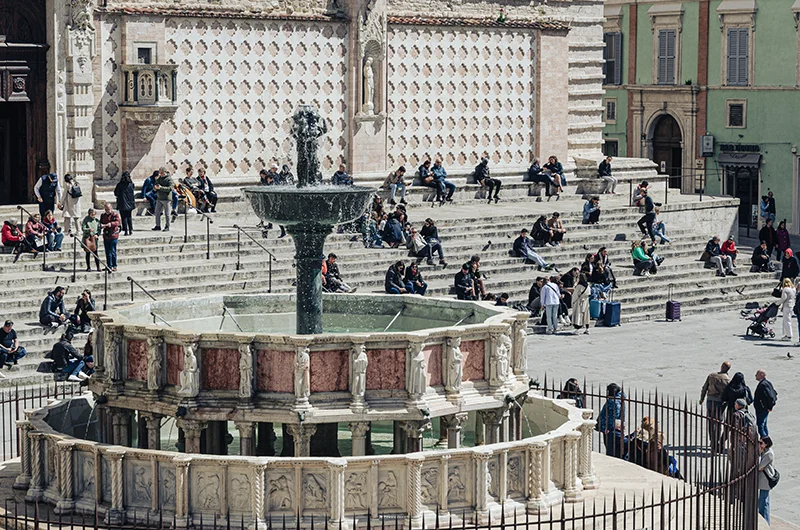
[
  {"x": 106, "y": 269},
  {"x": 44, "y": 243},
  {"x": 209, "y": 220},
  {"x": 145, "y": 291},
  {"x": 156, "y": 316},
  {"x": 239, "y": 252}
]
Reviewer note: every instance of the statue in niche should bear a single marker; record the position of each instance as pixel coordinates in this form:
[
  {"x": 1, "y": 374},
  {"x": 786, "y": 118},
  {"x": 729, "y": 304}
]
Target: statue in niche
[
  {"x": 153, "y": 364},
  {"x": 112, "y": 339},
  {"x": 141, "y": 485},
  {"x": 514, "y": 474},
  {"x": 369, "y": 87},
  {"x": 302, "y": 382},
  {"x": 498, "y": 362},
  {"x": 360, "y": 372},
  {"x": 190, "y": 376},
  {"x": 456, "y": 490},
  {"x": 521, "y": 361},
  {"x": 163, "y": 87},
  {"x": 454, "y": 371},
  {"x": 245, "y": 371},
  {"x": 417, "y": 383}
]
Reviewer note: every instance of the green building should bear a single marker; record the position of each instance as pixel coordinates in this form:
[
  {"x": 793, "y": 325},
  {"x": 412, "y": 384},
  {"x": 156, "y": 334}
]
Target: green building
[{"x": 710, "y": 91}]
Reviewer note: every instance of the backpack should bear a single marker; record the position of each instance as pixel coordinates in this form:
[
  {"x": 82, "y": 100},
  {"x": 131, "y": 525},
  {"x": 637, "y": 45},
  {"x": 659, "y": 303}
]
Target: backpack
[{"x": 75, "y": 191}]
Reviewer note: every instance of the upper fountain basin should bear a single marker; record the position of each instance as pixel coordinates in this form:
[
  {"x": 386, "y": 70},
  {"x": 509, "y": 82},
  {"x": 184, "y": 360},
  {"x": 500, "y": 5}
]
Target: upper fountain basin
[{"x": 322, "y": 205}]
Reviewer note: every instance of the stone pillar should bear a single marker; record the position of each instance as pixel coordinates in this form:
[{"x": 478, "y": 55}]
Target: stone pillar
[
  {"x": 36, "y": 490},
  {"x": 359, "y": 431},
  {"x": 265, "y": 439},
  {"x": 482, "y": 485},
  {"x": 116, "y": 514},
  {"x": 586, "y": 469},
  {"x": 572, "y": 490},
  {"x": 480, "y": 429},
  {"x": 121, "y": 419},
  {"x": 536, "y": 502},
  {"x": 495, "y": 421},
  {"x": 153, "y": 428},
  {"x": 452, "y": 425},
  {"x": 182, "y": 490},
  {"x": 309, "y": 242},
  {"x": 398, "y": 438},
  {"x": 501, "y": 484},
  {"x": 192, "y": 429},
  {"x": 302, "y": 434},
  {"x": 246, "y": 445},
  {"x": 258, "y": 495},
  {"x": 444, "y": 474},
  {"x": 337, "y": 515},
  {"x": 66, "y": 501},
  {"x": 414, "y": 430},
  {"x": 23, "y": 480},
  {"x": 415, "y": 490}
]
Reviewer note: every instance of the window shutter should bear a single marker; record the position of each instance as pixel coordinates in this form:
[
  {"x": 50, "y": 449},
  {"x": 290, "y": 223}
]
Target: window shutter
[
  {"x": 606, "y": 39},
  {"x": 733, "y": 48},
  {"x": 670, "y": 57},
  {"x": 738, "y": 51},
  {"x": 666, "y": 56},
  {"x": 618, "y": 58},
  {"x": 662, "y": 57},
  {"x": 743, "y": 52}
]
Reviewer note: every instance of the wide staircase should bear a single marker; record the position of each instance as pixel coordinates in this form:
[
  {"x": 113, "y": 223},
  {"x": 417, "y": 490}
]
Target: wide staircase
[{"x": 169, "y": 265}]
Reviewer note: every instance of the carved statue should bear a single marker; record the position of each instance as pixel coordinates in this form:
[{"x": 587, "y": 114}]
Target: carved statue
[
  {"x": 81, "y": 13},
  {"x": 314, "y": 491},
  {"x": 360, "y": 363},
  {"x": 387, "y": 490},
  {"x": 153, "y": 364},
  {"x": 245, "y": 371},
  {"x": 302, "y": 376},
  {"x": 498, "y": 361},
  {"x": 369, "y": 87},
  {"x": 112, "y": 338},
  {"x": 417, "y": 383},
  {"x": 521, "y": 358},
  {"x": 190, "y": 376},
  {"x": 355, "y": 496},
  {"x": 455, "y": 365},
  {"x": 307, "y": 129}
]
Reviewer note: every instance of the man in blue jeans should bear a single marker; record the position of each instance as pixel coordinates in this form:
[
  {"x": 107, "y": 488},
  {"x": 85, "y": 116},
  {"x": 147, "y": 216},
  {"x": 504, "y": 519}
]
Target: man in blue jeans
[
  {"x": 763, "y": 401},
  {"x": 440, "y": 178},
  {"x": 10, "y": 350},
  {"x": 715, "y": 408},
  {"x": 67, "y": 360}
]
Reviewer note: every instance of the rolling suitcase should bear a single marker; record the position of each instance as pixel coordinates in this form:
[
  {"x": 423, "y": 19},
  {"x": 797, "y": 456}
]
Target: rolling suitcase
[
  {"x": 594, "y": 309},
  {"x": 673, "y": 307},
  {"x": 611, "y": 312}
]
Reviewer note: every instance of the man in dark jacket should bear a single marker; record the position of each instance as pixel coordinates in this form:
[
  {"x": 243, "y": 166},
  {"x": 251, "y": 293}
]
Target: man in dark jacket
[
  {"x": 207, "y": 187},
  {"x": 768, "y": 235},
  {"x": 110, "y": 223},
  {"x": 534, "y": 302},
  {"x": 646, "y": 222},
  {"x": 163, "y": 188},
  {"x": 48, "y": 192},
  {"x": 523, "y": 248},
  {"x": 764, "y": 400},
  {"x": 52, "y": 312},
  {"x": 604, "y": 171},
  {"x": 67, "y": 359},
  {"x": 341, "y": 177},
  {"x": 482, "y": 176},
  {"x": 395, "y": 283},
  {"x": 722, "y": 261},
  {"x": 465, "y": 286},
  {"x": 426, "y": 179},
  {"x": 760, "y": 259},
  {"x": 333, "y": 279}
]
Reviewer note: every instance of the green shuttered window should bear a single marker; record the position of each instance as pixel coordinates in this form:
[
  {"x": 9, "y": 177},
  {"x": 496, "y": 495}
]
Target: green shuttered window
[
  {"x": 612, "y": 54},
  {"x": 738, "y": 40},
  {"x": 666, "y": 56}
]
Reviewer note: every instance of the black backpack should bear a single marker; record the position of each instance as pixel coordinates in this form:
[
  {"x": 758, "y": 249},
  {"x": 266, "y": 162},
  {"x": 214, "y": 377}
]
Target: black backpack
[{"x": 75, "y": 191}]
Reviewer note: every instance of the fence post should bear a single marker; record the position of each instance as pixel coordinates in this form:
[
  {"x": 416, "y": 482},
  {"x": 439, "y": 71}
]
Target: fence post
[
  {"x": 74, "y": 257},
  {"x": 208, "y": 238},
  {"x": 185, "y": 221},
  {"x": 239, "y": 247},
  {"x": 131, "y": 279},
  {"x": 105, "y": 290}
]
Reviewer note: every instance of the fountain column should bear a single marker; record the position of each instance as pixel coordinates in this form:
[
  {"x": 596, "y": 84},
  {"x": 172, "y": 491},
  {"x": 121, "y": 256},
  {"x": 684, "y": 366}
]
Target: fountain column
[
  {"x": 192, "y": 430},
  {"x": 359, "y": 431},
  {"x": 452, "y": 425},
  {"x": 246, "y": 445},
  {"x": 302, "y": 438},
  {"x": 309, "y": 240},
  {"x": 153, "y": 426}
]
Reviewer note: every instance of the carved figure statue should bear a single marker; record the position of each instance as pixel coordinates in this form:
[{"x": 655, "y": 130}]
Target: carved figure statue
[
  {"x": 430, "y": 480},
  {"x": 302, "y": 377},
  {"x": 208, "y": 493},
  {"x": 521, "y": 359},
  {"x": 369, "y": 87},
  {"x": 280, "y": 493},
  {"x": 81, "y": 15},
  {"x": 142, "y": 485},
  {"x": 387, "y": 490},
  {"x": 153, "y": 364},
  {"x": 190, "y": 376},
  {"x": 245, "y": 371},
  {"x": 88, "y": 477},
  {"x": 307, "y": 129},
  {"x": 314, "y": 492},
  {"x": 112, "y": 340},
  {"x": 359, "y": 372},
  {"x": 168, "y": 483},
  {"x": 454, "y": 371},
  {"x": 498, "y": 365},
  {"x": 163, "y": 87},
  {"x": 355, "y": 496},
  {"x": 417, "y": 383},
  {"x": 456, "y": 490}
]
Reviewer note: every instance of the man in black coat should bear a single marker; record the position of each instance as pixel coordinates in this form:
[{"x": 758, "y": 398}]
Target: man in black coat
[
  {"x": 464, "y": 284},
  {"x": 395, "y": 282},
  {"x": 764, "y": 400},
  {"x": 67, "y": 359},
  {"x": 482, "y": 176},
  {"x": 760, "y": 258},
  {"x": 646, "y": 222}
]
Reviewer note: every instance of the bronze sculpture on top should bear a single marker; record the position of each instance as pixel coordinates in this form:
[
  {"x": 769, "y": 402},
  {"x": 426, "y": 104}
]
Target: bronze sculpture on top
[{"x": 309, "y": 212}]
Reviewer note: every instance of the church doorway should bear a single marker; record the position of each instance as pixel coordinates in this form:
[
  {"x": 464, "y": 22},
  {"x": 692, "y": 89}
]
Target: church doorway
[
  {"x": 23, "y": 99},
  {"x": 667, "y": 150}
]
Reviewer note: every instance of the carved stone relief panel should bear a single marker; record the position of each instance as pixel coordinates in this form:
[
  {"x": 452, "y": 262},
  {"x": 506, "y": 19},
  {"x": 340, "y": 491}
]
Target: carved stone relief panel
[
  {"x": 205, "y": 489},
  {"x": 280, "y": 490}
]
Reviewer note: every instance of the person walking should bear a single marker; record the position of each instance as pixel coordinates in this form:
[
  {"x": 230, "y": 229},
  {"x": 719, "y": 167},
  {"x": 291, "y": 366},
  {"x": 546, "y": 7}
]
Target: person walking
[
  {"x": 788, "y": 296},
  {"x": 764, "y": 400},
  {"x": 551, "y": 299},
  {"x": 71, "y": 204},
  {"x": 604, "y": 170},
  {"x": 124, "y": 192},
  {"x": 711, "y": 393},
  {"x": 580, "y": 305},
  {"x": 611, "y": 421},
  {"x": 646, "y": 222},
  {"x": 48, "y": 193},
  {"x": 766, "y": 471},
  {"x": 163, "y": 188},
  {"x": 110, "y": 223}
]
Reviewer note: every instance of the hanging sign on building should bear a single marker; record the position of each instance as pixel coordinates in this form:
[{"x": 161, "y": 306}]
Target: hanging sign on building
[{"x": 740, "y": 148}]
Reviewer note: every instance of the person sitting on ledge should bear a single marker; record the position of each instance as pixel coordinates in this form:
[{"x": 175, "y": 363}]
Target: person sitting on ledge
[
  {"x": 80, "y": 318},
  {"x": 425, "y": 249},
  {"x": 591, "y": 211},
  {"x": 537, "y": 174},
  {"x": 523, "y": 248},
  {"x": 638, "y": 196},
  {"x": 728, "y": 248},
  {"x": 396, "y": 181},
  {"x": 67, "y": 360},
  {"x": 556, "y": 172},
  {"x": 464, "y": 284},
  {"x": 440, "y": 178},
  {"x": 340, "y": 178},
  {"x": 52, "y": 312},
  {"x": 333, "y": 279},
  {"x": 604, "y": 171},
  {"x": 395, "y": 280},
  {"x": 474, "y": 264},
  {"x": 760, "y": 259},
  {"x": 483, "y": 178},
  {"x": 427, "y": 180},
  {"x": 414, "y": 278},
  {"x": 715, "y": 256},
  {"x": 12, "y": 237},
  {"x": 557, "y": 227},
  {"x": 541, "y": 233}
]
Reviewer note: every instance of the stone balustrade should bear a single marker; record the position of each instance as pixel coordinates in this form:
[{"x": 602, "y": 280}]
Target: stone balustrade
[
  {"x": 128, "y": 485},
  {"x": 150, "y": 84},
  {"x": 355, "y": 376}
]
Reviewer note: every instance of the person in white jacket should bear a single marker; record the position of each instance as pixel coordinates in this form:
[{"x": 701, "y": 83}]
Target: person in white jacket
[
  {"x": 71, "y": 205},
  {"x": 788, "y": 295}
]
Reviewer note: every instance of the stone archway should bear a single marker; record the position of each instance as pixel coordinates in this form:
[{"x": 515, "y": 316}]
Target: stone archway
[{"x": 666, "y": 140}]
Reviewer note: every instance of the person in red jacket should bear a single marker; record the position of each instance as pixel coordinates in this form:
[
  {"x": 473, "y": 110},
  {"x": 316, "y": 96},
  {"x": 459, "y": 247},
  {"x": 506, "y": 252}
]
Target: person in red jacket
[
  {"x": 110, "y": 223},
  {"x": 729, "y": 248},
  {"x": 11, "y": 236},
  {"x": 34, "y": 233}
]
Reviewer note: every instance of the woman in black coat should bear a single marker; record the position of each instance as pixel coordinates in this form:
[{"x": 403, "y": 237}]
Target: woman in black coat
[
  {"x": 736, "y": 389},
  {"x": 791, "y": 266},
  {"x": 124, "y": 192}
]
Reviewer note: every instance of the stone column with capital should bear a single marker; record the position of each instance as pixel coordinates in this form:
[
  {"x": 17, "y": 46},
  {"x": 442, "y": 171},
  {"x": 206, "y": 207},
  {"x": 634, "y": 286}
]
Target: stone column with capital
[
  {"x": 258, "y": 495},
  {"x": 66, "y": 500},
  {"x": 302, "y": 434},
  {"x": 481, "y": 459},
  {"x": 23, "y": 480},
  {"x": 192, "y": 429},
  {"x": 246, "y": 431},
  {"x": 453, "y": 423},
  {"x": 116, "y": 514},
  {"x": 121, "y": 419},
  {"x": 182, "y": 491},
  {"x": 415, "y": 490},
  {"x": 586, "y": 468},
  {"x": 337, "y": 468},
  {"x": 495, "y": 422},
  {"x": 359, "y": 432},
  {"x": 536, "y": 502},
  {"x": 572, "y": 487},
  {"x": 414, "y": 430},
  {"x": 36, "y": 489},
  {"x": 153, "y": 424}
]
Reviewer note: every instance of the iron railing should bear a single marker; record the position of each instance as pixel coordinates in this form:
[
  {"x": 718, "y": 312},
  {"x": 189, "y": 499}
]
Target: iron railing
[
  {"x": 106, "y": 269},
  {"x": 272, "y": 258},
  {"x": 22, "y": 212},
  {"x": 145, "y": 291}
]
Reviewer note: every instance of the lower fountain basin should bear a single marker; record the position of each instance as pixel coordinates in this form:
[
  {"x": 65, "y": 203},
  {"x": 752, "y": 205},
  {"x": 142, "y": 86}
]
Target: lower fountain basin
[{"x": 312, "y": 205}]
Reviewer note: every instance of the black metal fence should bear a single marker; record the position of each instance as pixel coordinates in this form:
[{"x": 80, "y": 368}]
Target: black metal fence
[{"x": 701, "y": 488}]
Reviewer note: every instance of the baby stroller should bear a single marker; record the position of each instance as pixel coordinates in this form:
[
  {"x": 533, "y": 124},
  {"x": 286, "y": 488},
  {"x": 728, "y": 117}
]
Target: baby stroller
[{"x": 762, "y": 320}]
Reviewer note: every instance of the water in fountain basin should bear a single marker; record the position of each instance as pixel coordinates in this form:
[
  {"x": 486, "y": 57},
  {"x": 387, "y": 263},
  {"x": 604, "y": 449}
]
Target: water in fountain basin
[{"x": 524, "y": 416}]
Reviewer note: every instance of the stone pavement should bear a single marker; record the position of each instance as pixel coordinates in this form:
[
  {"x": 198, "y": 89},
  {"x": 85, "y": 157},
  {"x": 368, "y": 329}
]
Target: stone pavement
[{"x": 675, "y": 358}]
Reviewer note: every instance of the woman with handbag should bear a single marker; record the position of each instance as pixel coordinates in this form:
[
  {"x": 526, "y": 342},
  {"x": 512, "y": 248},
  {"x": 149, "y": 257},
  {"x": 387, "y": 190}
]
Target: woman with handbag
[
  {"x": 768, "y": 476},
  {"x": 91, "y": 229},
  {"x": 788, "y": 295}
]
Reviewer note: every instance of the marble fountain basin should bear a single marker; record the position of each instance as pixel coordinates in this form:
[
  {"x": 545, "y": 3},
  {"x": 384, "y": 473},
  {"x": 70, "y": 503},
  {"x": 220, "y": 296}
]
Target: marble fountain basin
[{"x": 325, "y": 205}]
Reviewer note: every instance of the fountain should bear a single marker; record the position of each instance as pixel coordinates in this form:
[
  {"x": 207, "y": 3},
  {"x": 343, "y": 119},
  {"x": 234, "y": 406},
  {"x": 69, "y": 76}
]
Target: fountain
[{"x": 309, "y": 211}]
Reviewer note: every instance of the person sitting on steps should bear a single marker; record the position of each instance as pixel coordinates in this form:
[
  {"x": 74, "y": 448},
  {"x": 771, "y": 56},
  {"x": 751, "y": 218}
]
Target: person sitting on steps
[
  {"x": 715, "y": 256},
  {"x": 425, "y": 249},
  {"x": 394, "y": 282},
  {"x": 556, "y": 172},
  {"x": 396, "y": 181},
  {"x": 760, "y": 259},
  {"x": 523, "y": 248},
  {"x": 638, "y": 196},
  {"x": 483, "y": 178},
  {"x": 591, "y": 211},
  {"x": 541, "y": 233},
  {"x": 729, "y": 249},
  {"x": 557, "y": 227},
  {"x": 414, "y": 277},
  {"x": 604, "y": 171},
  {"x": 642, "y": 263},
  {"x": 333, "y": 279},
  {"x": 659, "y": 228},
  {"x": 646, "y": 222},
  {"x": 67, "y": 360},
  {"x": 440, "y": 178},
  {"x": 769, "y": 235},
  {"x": 464, "y": 285},
  {"x": 537, "y": 174}
]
